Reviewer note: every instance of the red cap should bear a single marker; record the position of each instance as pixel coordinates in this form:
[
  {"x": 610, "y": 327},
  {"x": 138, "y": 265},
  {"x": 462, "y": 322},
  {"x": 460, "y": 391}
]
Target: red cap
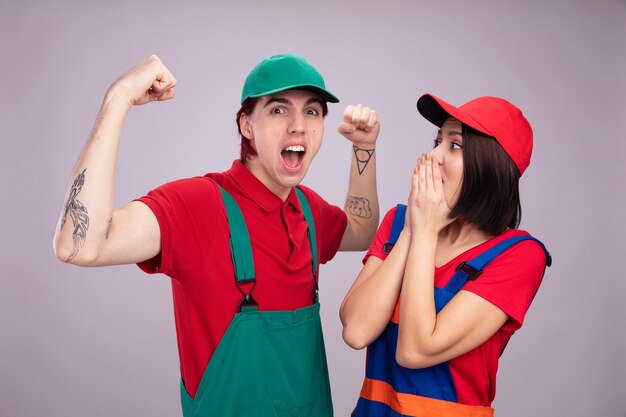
[{"x": 492, "y": 116}]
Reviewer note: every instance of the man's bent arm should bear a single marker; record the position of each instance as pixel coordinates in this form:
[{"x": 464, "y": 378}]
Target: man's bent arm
[
  {"x": 361, "y": 126},
  {"x": 90, "y": 232}
]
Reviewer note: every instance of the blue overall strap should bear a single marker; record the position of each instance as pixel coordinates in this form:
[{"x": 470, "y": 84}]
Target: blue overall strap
[
  {"x": 240, "y": 249},
  {"x": 308, "y": 216},
  {"x": 396, "y": 228},
  {"x": 472, "y": 269}
]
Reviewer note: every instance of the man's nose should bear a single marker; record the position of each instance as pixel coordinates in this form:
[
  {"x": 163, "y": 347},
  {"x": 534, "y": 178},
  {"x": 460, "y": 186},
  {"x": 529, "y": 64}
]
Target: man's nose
[{"x": 297, "y": 124}]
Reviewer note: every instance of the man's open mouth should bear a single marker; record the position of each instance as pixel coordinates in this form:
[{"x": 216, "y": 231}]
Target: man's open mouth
[{"x": 292, "y": 155}]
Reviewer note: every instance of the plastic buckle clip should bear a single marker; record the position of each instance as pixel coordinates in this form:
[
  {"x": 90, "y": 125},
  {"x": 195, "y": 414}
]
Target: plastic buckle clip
[
  {"x": 471, "y": 272},
  {"x": 548, "y": 259},
  {"x": 247, "y": 301},
  {"x": 387, "y": 248}
]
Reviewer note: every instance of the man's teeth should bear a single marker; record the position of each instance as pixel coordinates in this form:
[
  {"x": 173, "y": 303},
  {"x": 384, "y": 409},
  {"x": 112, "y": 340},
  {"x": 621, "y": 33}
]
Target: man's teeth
[{"x": 295, "y": 148}]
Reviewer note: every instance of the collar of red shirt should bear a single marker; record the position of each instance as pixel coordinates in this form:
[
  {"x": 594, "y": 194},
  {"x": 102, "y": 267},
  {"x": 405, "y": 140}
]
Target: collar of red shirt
[{"x": 256, "y": 190}]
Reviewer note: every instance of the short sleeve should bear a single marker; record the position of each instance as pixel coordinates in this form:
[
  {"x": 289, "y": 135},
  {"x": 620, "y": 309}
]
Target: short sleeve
[
  {"x": 511, "y": 281},
  {"x": 330, "y": 224},
  {"x": 182, "y": 208},
  {"x": 382, "y": 236}
]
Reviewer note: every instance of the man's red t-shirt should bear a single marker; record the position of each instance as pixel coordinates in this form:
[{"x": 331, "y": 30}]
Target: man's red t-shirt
[{"x": 195, "y": 253}]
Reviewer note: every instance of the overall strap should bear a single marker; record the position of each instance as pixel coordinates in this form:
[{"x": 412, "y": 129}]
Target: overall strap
[
  {"x": 396, "y": 228},
  {"x": 308, "y": 216},
  {"x": 472, "y": 269},
  {"x": 240, "y": 249}
]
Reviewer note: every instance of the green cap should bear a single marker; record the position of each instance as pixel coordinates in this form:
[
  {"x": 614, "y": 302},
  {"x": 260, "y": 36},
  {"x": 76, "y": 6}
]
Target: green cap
[{"x": 284, "y": 72}]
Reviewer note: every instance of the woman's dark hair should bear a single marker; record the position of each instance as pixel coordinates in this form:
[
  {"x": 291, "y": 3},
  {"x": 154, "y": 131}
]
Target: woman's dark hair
[
  {"x": 246, "y": 149},
  {"x": 489, "y": 196}
]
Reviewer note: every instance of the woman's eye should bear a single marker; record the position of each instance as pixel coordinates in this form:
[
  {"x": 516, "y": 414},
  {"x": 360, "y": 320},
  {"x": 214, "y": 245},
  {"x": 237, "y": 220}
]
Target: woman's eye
[
  {"x": 457, "y": 145},
  {"x": 436, "y": 142}
]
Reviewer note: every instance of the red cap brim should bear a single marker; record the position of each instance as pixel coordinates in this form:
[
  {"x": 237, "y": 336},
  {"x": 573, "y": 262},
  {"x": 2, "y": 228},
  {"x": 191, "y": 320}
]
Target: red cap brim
[{"x": 437, "y": 111}]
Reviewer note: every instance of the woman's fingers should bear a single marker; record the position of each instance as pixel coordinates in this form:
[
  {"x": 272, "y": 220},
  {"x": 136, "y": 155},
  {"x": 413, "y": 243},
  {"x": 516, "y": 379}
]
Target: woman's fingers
[
  {"x": 422, "y": 173},
  {"x": 437, "y": 180},
  {"x": 429, "y": 173}
]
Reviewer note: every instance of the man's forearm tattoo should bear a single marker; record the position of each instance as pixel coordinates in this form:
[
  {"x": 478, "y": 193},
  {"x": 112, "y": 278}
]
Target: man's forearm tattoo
[
  {"x": 78, "y": 213},
  {"x": 359, "y": 206},
  {"x": 106, "y": 234},
  {"x": 363, "y": 157}
]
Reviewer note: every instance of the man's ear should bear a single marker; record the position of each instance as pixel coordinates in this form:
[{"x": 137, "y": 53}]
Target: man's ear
[{"x": 246, "y": 128}]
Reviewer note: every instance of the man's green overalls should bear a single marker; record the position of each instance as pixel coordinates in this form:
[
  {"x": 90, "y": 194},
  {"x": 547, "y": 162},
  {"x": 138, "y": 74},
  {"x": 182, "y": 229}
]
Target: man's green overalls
[{"x": 268, "y": 363}]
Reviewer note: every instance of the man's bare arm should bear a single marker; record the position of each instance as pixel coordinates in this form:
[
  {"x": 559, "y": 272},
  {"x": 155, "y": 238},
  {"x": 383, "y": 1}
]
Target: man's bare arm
[
  {"x": 361, "y": 126},
  {"x": 90, "y": 232}
]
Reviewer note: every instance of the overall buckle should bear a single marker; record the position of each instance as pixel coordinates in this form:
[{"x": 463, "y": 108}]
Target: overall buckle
[
  {"x": 387, "y": 248},
  {"x": 471, "y": 272},
  {"x": 247, "y": 301}
]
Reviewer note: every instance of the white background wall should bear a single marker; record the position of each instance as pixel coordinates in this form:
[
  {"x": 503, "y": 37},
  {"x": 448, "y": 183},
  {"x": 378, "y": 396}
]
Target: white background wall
[{"x": 101, "y": 342}]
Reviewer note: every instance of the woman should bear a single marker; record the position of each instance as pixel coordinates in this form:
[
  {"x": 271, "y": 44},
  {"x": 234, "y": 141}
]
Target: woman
[{"x": 437, "y": 310}]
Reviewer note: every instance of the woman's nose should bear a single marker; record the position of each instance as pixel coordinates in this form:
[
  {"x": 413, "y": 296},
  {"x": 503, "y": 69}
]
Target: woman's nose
[{"x": 437, "y": 154}]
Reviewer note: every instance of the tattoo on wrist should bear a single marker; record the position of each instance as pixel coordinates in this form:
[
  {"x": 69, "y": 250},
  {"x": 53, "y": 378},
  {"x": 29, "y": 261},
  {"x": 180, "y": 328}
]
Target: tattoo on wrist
[
  {"x": 363, "y": 157},
  {"x": 79, "y": 215},
  {"x": 359, "y": 206},
  {"x": 106, "y": 234}
]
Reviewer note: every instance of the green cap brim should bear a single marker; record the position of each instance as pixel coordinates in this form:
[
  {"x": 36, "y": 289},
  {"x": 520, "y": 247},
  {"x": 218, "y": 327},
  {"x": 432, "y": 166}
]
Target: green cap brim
[{"x": 326, "y": 95}]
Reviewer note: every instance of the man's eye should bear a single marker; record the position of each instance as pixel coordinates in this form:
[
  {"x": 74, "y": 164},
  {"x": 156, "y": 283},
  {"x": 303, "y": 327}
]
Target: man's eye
[
  {"x": 312, "y": 112},
  {"x": 278, "y": 110}
]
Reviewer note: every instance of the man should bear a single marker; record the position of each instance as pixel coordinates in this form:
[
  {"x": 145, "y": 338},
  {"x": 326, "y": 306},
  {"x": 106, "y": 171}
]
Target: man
[{"x": 242, "y": 247}]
